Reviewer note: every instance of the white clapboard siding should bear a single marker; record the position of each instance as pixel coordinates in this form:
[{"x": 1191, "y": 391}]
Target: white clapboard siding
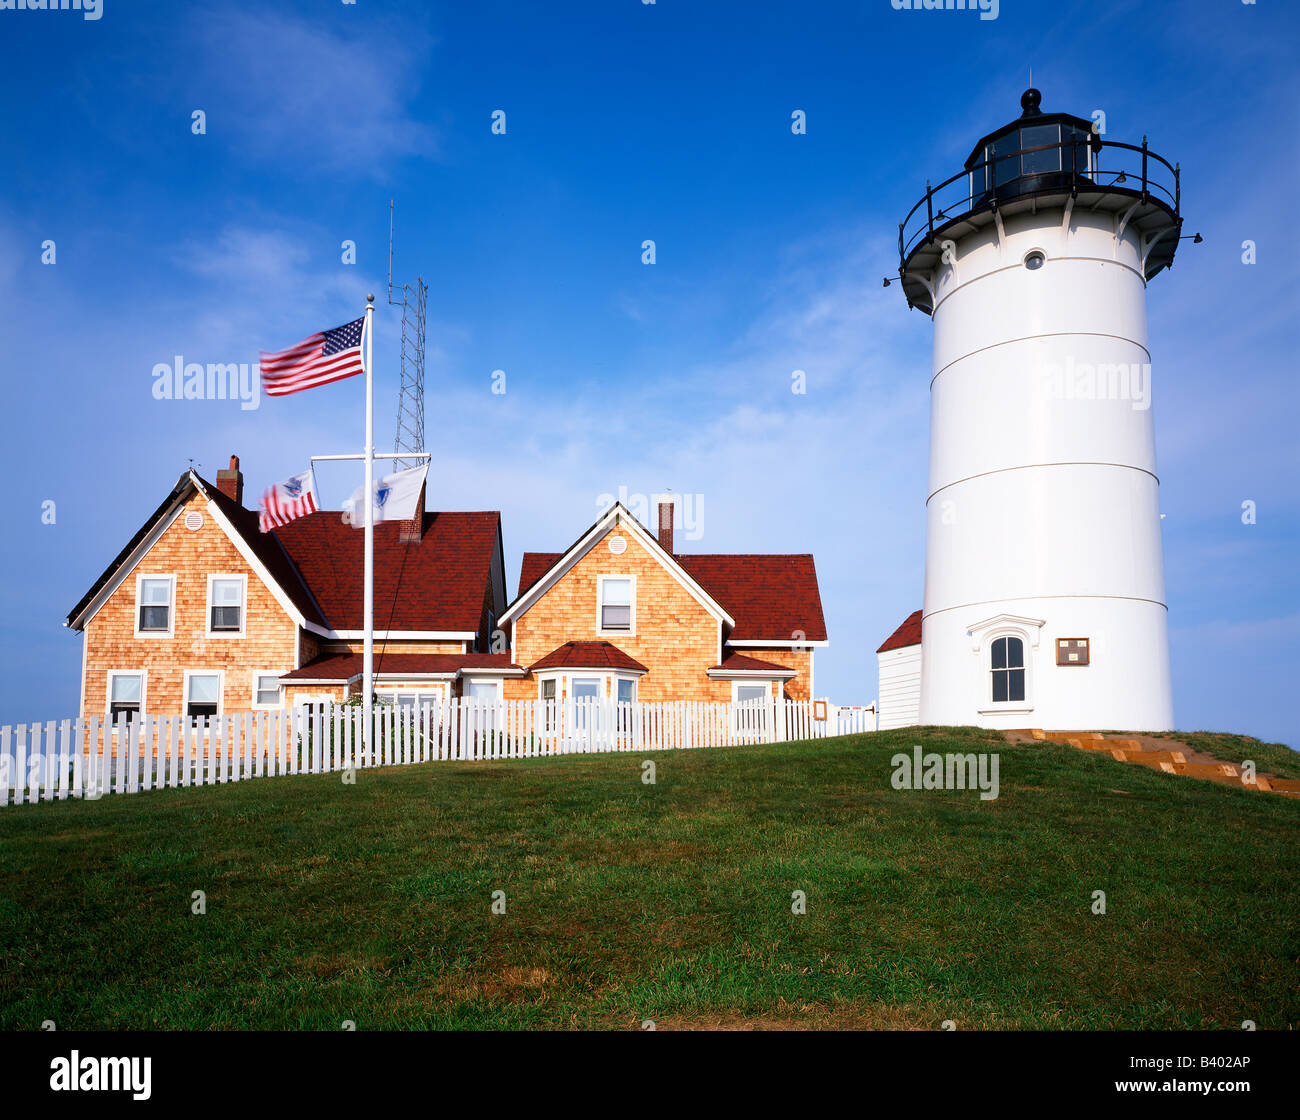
[{"x": 900, "y": 687}]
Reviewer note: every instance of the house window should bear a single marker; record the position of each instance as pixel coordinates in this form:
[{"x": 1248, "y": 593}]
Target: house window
[
  {"x": 547, "y": 693},
  {"x": 584, "y": 689},
  {"x": 626, "y": 693},
  {"x": 487, "y": 692},
  {"x": 154, "y": 605},
  {"x": 202, "y": 694},
  {"x": 617, "y": 595},
  {"x": 266, "y": 690},
  {"x": 125, "y": 694},
  {"x": 225, "y": 604},
  {"x": 752, "y": 719},
  {"x": 411, "y": 699},
  {"x": 1008, "y": 670}
]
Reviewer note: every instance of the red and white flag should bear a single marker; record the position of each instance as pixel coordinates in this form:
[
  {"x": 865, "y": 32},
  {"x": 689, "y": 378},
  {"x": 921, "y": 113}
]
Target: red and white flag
[
  {"x": 294, "y": 497},
  {"x": 317, "y": 360}
]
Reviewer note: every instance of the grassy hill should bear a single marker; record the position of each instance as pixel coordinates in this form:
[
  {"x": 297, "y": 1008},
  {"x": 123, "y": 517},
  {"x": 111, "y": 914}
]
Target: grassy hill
[{"x": 670, "y": 902}]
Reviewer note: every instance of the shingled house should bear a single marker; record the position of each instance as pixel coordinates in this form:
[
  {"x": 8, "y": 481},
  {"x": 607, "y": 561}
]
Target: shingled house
[
  {"x": 203, "y": 614},
  {"x": 621, "y": 614}
]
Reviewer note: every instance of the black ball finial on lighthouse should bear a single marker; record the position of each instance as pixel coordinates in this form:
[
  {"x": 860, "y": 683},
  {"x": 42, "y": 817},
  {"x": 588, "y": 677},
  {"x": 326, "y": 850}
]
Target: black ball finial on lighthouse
[{"x": 1029, "y": 102}]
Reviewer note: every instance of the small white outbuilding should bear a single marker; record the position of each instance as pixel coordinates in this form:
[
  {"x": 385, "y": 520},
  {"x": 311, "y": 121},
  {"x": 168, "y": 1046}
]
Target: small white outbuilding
[{"x": 900, "y": 675}]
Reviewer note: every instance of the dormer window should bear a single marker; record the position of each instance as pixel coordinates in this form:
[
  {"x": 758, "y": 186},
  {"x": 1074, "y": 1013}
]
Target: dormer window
[{"x": 617, "y": 604}]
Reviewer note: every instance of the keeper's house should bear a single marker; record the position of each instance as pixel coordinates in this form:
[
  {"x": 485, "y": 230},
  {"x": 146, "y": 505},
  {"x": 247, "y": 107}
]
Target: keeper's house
[
  {"x": 620, "y": 614},
  {"x": 203, "y": 614}
]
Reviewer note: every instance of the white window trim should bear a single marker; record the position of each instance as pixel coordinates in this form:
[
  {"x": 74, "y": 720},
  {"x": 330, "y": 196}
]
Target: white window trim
[
  {"x": 220, "y": 674},
  {"x": 602, "y": 684},
  {"x": 768, "y": 716},
  {"x": 171, "y": 606},
  {"x": 737, "y": 685},
  {"x": 396, "y": 691},
  {"x": 989, "y": 705},
  {"x": 608, "y": 678},
  {"x": 253, "y": 704},
  {"x": 630, "y": 632},
  {"x": 471, "y": 680},
  {"x": 208, "y": 632},
  {"x": 143, "y": 674}
]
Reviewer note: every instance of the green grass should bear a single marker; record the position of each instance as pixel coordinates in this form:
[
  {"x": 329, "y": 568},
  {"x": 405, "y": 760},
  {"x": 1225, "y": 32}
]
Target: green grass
[
  {"x": 1274, "y": 758},
  {"x": 669, "y": 902}
]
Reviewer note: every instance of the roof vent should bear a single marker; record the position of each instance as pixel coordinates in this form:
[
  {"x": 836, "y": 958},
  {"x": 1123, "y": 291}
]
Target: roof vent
[
  {"x": 617, "y": 545},
  {"x": 194, "y": 520}
]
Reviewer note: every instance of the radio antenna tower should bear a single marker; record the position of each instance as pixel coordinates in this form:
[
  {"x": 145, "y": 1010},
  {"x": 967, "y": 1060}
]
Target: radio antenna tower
[{"x": 412, "y": 299}]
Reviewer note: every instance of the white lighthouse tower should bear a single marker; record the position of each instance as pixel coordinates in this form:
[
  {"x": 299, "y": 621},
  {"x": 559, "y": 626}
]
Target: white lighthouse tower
[{"x": 1044, "y": 581}]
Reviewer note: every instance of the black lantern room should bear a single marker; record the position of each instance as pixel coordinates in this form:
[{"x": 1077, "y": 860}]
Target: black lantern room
[{"x": 1042, "y": 159}]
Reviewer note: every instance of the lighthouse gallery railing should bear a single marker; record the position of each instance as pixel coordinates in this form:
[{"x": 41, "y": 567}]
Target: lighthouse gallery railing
[{"x": 947, "y": 207}]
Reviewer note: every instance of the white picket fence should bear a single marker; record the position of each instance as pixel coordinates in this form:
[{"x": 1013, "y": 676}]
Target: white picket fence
[{"x": 89, "y": 758}]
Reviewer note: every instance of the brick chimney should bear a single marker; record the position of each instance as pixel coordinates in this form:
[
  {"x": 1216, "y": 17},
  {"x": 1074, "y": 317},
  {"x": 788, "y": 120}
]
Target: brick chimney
[
  {"x": 231, "y": 482},
  {"x": 413, "y": 529},
  {"x": 666, "y": 523}
]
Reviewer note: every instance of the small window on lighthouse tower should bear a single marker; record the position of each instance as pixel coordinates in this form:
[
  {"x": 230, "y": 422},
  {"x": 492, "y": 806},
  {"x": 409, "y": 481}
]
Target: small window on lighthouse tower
[
  {"x": 1034, "y": 260},
  {"x": 1008, "y": 670}
]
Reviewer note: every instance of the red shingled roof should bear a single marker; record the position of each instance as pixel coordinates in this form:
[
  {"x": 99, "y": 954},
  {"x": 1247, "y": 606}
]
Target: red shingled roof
[
  {"x": 909, "y": 634},
  {"x": 740, "y": 663},
  {"x": 345, "y": 666},
  {"x": 437, "y": 583},
  {"x": 536, "y": 565},
  {"x": 588, "y": 655},
  {"x": 266, "y": 548},
  {"x": 269, "y": 549},
  {"x": 769, "y": 596}
]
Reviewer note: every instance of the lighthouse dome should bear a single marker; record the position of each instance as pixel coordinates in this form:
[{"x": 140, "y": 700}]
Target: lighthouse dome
[
  {"x": 1036, "y": 161},
  {"x": 1037, "y": 151}
]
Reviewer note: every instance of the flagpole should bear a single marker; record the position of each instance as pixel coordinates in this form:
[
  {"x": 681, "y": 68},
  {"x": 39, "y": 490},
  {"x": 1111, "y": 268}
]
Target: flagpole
[{"x": 368, "y": 656}]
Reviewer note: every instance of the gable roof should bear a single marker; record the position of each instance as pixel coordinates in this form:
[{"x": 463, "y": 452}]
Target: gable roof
[
  {"x": 588, "y": 655},
  {"x": 436, "y": 584},
  {"x": 615, "y": 516},
  {"x": 264, "y": 548},
  {"x": 770, "y": 596},
  {"x": 908, "y": 634},
  {"x": 269, "y": 550}
]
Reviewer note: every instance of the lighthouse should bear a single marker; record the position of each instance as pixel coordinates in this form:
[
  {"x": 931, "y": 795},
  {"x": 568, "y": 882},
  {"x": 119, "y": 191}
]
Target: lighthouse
[{"x": 1044, "y": 599}]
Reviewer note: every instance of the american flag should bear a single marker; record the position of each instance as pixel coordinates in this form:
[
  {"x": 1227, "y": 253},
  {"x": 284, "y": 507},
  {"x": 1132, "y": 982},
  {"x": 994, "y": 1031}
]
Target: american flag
[
  {"x": 294, "y": 497},
  {"x": 317, "y": 360}
]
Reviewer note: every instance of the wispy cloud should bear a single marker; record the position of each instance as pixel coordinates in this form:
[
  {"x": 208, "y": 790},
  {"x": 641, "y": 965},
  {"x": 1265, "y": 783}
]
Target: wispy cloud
[{"x": 327, "y": 93}]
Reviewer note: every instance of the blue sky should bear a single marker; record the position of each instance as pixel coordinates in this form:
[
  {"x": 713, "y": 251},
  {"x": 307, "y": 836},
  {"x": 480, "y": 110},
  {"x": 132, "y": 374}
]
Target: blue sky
[{"x": 624, "y": 122}]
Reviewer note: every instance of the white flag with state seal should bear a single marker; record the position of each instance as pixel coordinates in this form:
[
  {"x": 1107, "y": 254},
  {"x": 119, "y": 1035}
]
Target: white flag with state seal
[
  {"x": 284, "y": 501},
  {"x": 394, "y": 498}
]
